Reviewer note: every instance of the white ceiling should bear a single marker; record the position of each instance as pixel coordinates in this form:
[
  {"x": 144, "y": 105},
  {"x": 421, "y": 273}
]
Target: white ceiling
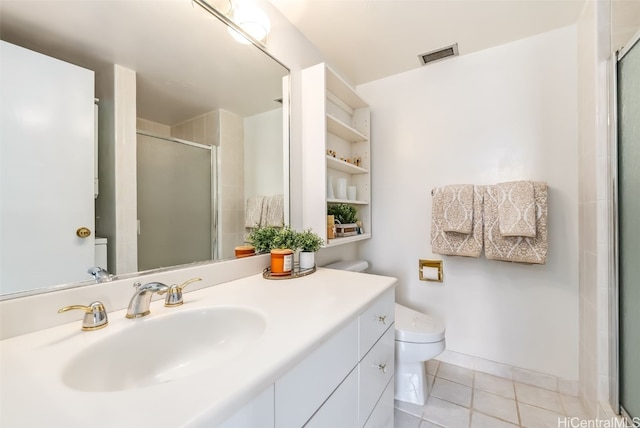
[
  {"x": 185, "y": 60},
  {"x": 370, "y": 39}
]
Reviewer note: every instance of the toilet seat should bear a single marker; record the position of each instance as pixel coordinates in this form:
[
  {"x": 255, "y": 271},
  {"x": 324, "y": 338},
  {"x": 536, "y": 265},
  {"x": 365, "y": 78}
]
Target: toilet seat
[{"x": 416, "y": 327}]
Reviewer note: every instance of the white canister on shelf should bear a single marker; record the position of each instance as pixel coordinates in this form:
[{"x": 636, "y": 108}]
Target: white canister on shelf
[
  {"x": 351, "y": 193},
  {"x": 341, "y": 192},
  {"x": 330, "y": 187}
]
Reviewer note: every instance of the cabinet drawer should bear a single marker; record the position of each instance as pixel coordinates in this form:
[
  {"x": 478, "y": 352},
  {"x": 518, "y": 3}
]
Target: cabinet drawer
[
  {"x": 375, "y": 320},
  {"x": 382, "y": 415},
  {"x": 301, "y": 391},
  {"x": 375, "y": 372},
  {"x": 341, "y": 409}
]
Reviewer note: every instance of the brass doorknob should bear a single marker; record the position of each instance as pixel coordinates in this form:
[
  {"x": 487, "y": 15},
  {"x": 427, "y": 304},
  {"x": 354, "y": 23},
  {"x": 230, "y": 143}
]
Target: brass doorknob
[{"x": 83, "y": 232}]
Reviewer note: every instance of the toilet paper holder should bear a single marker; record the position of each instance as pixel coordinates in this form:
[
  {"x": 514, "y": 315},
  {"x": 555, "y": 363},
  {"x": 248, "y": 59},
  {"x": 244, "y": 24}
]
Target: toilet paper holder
[{"x": 430, "y": 270}]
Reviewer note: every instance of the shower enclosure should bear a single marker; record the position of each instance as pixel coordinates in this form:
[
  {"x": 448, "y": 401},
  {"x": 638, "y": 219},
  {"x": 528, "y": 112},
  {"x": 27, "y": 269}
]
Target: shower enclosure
[
  {"x": 628, "y": 179},
  {"x": 176, "y": 182}
]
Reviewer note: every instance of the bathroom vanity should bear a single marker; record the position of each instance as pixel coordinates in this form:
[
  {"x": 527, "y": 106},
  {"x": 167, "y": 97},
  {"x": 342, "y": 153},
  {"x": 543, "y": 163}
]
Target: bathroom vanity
[{"x": 315, "y": 351}]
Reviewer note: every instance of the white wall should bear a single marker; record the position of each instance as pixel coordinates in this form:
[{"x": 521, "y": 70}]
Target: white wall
[
  {"x": 263, "y": 149},
  {"x": 593, "y": 203},
  {"x": 501, "y": 114},
  {"x": 288, "y": 45},
  {"x": 116, "y": 90},
  {"x": 230, "y": 183},
  {"x": 603, "y": 27}
]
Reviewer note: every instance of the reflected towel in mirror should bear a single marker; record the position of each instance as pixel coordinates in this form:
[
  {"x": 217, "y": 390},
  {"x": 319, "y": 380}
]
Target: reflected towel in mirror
[
  {"x": 273, "y": 211},
  {"x": 253, "y": 211}
]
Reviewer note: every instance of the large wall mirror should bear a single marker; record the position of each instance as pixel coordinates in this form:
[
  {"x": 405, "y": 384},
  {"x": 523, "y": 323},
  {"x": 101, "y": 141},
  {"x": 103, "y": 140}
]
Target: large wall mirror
[{"x": 187, "y": 125}]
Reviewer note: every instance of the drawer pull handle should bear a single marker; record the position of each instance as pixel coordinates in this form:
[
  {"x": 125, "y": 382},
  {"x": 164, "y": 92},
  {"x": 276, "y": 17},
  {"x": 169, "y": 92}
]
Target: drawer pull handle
[
  {"x": 382, "y": 368},
  {"x": 382, "y": 319}
]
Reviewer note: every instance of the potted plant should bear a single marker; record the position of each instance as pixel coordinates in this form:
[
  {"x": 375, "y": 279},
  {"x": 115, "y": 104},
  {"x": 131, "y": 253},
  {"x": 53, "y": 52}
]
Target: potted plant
[
  {"x": 309, "y": 242},
  {"x": 283, "y": 246},
  {"x": 346, "y": 218},
  {"x": 280, "y": 242},
  {"x": 262, "y": 238},
  {"x": 284, "y": 238}
]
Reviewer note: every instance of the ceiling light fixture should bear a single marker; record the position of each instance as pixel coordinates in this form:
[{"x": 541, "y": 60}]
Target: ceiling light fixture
[
  {"x": 222, "y": 6},
  {"x": 252, "y": 20}
]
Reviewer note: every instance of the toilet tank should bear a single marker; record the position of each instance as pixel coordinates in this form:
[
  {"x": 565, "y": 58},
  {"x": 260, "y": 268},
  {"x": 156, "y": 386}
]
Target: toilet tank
[
  {"x": 350, "y": 265},
  {"x": 101, "y": 252}
]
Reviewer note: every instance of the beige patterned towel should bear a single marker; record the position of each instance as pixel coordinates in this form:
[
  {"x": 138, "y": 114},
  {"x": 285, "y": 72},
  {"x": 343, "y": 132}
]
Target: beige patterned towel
[
  {"x": 253, "y": 211},
  {"x": 515, "y": 248},
  {"x": 516, "y": 208},
  {"x": 273, "y": 212},
  {"x": 454, "y": 243},
  {"x": 457, "y": 208}
]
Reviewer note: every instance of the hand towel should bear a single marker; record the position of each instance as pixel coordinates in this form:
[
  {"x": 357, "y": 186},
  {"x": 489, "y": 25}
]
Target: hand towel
[
  {"x": 253, "y": 211},
  {"x": 457, "y": 210},
  {"x": 273, "y": 214},
  {"x": 454, "y": 243},
  {"x": 516, "y": 208},
  {"x": 515, "y": 248}
]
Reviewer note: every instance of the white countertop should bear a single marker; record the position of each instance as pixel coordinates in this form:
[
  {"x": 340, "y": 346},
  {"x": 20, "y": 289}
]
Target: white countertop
[{"x": 300, "y": 314}]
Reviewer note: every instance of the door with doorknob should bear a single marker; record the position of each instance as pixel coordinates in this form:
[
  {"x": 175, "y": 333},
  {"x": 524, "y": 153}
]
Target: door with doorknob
[{"x": 46, "y": 172}]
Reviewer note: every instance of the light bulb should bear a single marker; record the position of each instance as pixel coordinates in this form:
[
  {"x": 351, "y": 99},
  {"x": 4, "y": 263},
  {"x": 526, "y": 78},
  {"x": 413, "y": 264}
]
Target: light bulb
[{"x": 253, "y": 21}]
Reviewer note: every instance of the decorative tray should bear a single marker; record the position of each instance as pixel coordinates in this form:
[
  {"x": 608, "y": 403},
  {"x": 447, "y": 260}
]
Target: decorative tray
[{"x": 295, "y": 273}]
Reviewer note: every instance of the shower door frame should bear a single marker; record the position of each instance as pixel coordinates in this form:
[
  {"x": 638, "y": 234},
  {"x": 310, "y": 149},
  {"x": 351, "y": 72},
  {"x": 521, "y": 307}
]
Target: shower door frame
[{"x": 614, "y": 291}]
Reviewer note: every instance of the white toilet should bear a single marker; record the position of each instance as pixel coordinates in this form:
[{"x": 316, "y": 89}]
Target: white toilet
[{"x": 419, "y": 338}]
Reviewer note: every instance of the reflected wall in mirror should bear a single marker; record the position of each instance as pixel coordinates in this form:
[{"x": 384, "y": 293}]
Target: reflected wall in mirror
[{"x": 188, "y": 125}]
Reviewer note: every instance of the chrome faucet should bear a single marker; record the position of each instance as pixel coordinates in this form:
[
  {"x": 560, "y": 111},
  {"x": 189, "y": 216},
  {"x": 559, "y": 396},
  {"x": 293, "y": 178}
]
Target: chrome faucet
[
  {"x": 100, "y": 274},
  {"x": 139, "y": 304}
]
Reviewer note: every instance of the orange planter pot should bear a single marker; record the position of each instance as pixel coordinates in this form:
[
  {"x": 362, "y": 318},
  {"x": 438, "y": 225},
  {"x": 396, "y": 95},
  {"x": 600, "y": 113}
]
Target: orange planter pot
[
  {"x": 245, "y": 251},
  {"x": 281, "y": 262}
]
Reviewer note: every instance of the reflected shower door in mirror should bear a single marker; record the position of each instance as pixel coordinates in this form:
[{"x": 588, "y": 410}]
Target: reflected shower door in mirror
[
  {"x": 165, "y": 68},
  {"x": 175, "y": 201}
]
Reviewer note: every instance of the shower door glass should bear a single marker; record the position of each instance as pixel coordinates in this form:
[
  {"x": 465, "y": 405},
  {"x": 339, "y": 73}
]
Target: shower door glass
[
  {"x": 629, "y": 227},
  {"x": 175, "y": 211}
]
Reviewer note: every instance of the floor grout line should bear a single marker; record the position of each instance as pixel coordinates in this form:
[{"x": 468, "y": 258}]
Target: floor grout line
[
  {"x": 473, "y": 388},
  {"x": 437, "y": 374},
  {"x": 515, "y": 397}
]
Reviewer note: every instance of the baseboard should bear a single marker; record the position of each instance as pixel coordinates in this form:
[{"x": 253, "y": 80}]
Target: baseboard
[{"x": 518, "y": 374}]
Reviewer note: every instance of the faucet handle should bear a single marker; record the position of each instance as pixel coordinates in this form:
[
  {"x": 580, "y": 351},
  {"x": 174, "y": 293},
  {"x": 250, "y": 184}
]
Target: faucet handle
[
  {"x": 95, "y": 315},
  {"x": 174, "y": 295}
]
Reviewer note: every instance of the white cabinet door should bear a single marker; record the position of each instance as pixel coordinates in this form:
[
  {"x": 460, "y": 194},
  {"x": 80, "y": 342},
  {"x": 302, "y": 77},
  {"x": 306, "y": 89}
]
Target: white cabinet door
[
  {"x": 46, "y": 170},
  {"x": 301, "y": 391}
]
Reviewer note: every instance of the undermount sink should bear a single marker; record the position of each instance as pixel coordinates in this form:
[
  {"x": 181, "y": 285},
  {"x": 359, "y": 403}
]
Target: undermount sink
[{"x": 157, "y": 350}]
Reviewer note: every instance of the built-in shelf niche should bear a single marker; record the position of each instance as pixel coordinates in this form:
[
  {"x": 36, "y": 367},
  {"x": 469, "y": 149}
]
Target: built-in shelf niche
[{"x": 337, "y": 120}]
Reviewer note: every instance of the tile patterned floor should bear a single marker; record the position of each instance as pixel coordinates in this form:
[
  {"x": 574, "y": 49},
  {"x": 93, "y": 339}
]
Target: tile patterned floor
[{"x": 463, "y": 398}]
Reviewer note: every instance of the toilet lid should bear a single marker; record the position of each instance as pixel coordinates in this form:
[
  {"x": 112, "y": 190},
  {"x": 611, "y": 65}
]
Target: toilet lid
[{"x": 416, "y": 327}]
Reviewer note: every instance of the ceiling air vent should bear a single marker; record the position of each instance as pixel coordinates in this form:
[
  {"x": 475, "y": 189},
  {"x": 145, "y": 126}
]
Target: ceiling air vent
[{"x": 437, "y": 55}]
